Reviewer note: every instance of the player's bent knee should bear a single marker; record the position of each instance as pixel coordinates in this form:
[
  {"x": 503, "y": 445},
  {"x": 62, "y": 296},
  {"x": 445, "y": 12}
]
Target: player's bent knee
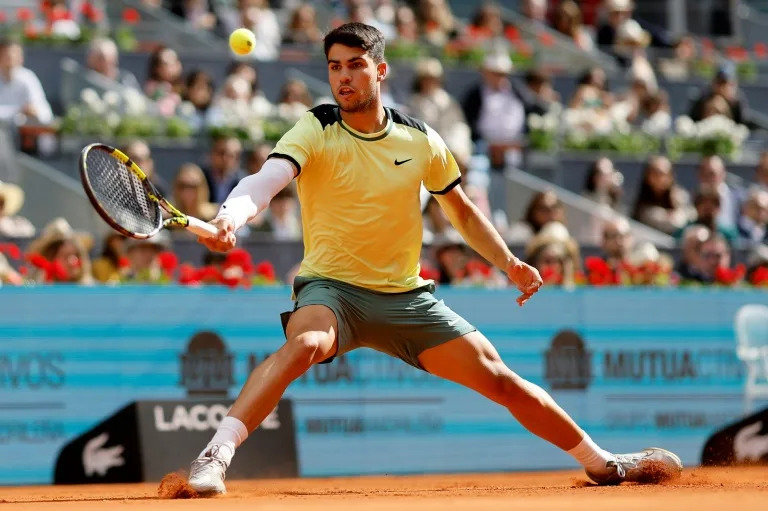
[{"x": 303, "y": 348}]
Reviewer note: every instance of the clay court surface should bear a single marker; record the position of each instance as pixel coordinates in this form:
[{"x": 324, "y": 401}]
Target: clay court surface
[{"x": 726, "y": 489}]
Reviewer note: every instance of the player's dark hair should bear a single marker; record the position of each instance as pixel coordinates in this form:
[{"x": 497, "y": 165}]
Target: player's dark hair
[{"x": 357, "y": 35}]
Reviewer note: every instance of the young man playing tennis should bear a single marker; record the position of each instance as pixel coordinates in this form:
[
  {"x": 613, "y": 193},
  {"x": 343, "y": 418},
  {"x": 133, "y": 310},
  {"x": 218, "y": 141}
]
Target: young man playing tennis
[{"x": 360, "y": 167}]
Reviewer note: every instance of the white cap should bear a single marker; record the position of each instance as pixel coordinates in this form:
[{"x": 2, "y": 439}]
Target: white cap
[{"x": 498, "y": 63}]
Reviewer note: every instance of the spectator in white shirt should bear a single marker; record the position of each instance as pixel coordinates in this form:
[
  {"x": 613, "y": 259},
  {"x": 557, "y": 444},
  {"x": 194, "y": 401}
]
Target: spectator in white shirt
[
  {"x": 11, "y": 201},
  {"x": 20, "y": 89},
  {"x": 103, "y": 57}
]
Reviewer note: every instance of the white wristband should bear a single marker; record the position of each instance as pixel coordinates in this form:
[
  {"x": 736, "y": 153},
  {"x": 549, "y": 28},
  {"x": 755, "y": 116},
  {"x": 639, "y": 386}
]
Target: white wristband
[{"x": 253, "y": 193}]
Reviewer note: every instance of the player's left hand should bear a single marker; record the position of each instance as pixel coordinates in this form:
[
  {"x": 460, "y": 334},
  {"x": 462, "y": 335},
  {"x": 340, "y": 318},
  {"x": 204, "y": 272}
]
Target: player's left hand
[{"x": 525, "y": 277}]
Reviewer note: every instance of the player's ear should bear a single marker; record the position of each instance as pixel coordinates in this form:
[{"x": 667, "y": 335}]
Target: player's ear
[{"x": 381, "y": 70}]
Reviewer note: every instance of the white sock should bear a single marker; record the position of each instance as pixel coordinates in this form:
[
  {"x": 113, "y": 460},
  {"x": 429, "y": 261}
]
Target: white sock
[
  {"x": 591, "y": 457},
  {"x": 230, "y": 434}
]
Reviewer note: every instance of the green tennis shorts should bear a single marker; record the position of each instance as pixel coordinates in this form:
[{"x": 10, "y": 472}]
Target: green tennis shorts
[{"x": 399, "y": 324}]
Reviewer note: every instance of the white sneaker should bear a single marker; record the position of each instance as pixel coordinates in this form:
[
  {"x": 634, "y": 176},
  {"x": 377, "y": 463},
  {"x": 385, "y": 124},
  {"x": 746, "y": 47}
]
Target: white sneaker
[
  {"x": 652, "y": 465},
  {"x": 206, "y": 474}
]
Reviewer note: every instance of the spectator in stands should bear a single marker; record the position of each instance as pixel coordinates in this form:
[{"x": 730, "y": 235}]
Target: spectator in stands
[
  {"x": 543, "y": 208},
  {"x": 654, "y": 116},
  {"x": 451, "y": 255},
  {"x": 256, "y": 157},
  {"x": 406, "y": 26},
  {"x": 538, "y": 95},
  {"x": 555, "y": 254},
  {"x": 712, "y": 175},
  {"x": 616, "y": 241},
  {"x": 661, "y": 203},
  {"x": 164, "y": 84},
  {"x": 109, "y": 267},
  {"x": 604, "y": 184},
  {"x": 224, "y": 172},
  {"x": 725, "y": 84},
  {"x": 283, "y": 219},
  {"x": 231, "y": 103},
  {"x": 260, "y": 105},
  {"x": 191, "y": 194},
  {"x": 715, "y": 254},
  {"x": 360, "y": 11},
  {"x": 197, "y": 13},
  {"x": 303, "y": 28},
  {"x": 199, "y": 90},
  {"x": 432, "y": 104},
  {"x": 591, "y": 91},
  {"x": 690, "y": 265},
  {"x": 753, "y": 223},
  {"x": 567, "y": 21},
  {"x": 143, "y": 262},
  {"x": 139, "y": 151},
  {"x": 438, "y": 25},
  {"x": 103, "y": 58},
  {"x": 257, "y": 16},
  {"x": 20, "y": 89},
  {"x": 618, "y": 11},
  {"x": 11, "y": 224},
  {"x": 294, "y": 100},
  {"x": 761, "y": 171},
  {"x": 7, "y": 274},
  {"x": 708, "y": 207},
  {"x": 494, "y": 111},
  {"x": 65, "y": 252},
  {"x": 488, "y": 25},
  {"x": 535, "y": 10}
]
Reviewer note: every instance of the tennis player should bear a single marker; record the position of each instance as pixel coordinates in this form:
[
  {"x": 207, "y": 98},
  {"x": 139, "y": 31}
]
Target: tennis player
[{"x": 359, "y": 169}]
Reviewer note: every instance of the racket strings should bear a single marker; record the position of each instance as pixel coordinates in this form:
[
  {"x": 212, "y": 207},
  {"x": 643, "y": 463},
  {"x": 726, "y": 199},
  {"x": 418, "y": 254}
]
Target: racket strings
[{"x": 121, "y": 193}]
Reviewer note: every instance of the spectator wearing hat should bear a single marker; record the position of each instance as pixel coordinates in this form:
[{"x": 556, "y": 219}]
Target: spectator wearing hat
[
  {"x": 143, "y": 261},
  {"x": 432, "y": 104},
  {"x": 20, "y": 90},
  {"x": 725, "y": 84},
  {"x": 64, "y": 253},
  {"x": 494, "y": 110},
  {"x": 617, "y": 12},
  {"x": 11, "y": 201},
  {"x": 555, "y": 254}
]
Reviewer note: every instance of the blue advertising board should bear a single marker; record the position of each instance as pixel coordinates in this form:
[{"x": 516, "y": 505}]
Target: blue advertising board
[{"x": 634, "y": 367}]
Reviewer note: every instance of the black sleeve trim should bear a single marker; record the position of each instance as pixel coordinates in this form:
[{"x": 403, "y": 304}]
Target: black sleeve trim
[
  {"x": 289, "y": 158},
  {"x": 448, "y": 188}
]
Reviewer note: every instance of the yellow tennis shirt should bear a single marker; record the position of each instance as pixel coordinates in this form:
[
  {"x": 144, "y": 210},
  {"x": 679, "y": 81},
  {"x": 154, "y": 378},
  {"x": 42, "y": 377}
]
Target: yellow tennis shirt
[{"x": 359, "y": 196}]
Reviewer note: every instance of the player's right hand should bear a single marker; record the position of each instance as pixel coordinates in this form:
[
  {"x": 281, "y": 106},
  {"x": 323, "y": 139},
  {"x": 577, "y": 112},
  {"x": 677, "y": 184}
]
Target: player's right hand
[{"x": 225, "y": 240}]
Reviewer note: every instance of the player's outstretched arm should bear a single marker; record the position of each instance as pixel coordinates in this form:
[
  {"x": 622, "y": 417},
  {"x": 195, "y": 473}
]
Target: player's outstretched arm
[
  {"x": 486, "y": 241},
  {"x": 251, "y": 196}
]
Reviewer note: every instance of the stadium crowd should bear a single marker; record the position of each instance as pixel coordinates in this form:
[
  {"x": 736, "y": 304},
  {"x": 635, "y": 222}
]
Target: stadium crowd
[{"x": 485, "y": 129}]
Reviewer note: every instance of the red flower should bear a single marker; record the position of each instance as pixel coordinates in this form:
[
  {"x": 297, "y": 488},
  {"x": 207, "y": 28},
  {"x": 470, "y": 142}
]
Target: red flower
[
  {"x": 760, "y": 276},
  {"x": 476, "y": 267},
  {"x": 38, "y": 261},
  {"x": 239, "y": 257},
  {"x": 168, "y": 261},
  {"x": 550, "y": 275},
  {"x": 188, "y": 275},
  {"x": 13, "y": 251},
  {"x": 24, "y": 270},
  {"x": 56, "y": 272},
  {"x": 266, "y": 270},
  {"x": 728, "y": 276},
  {"x": 209, "y": 275},
  {"x": 595, "y": 264},
  {"x": 124, "y": 262},
  {"x": 58, "y": 13},
  {"x": 131, "y": 15},
  {"x": 429, "y": 273},
  {"x": 761, "y": 50},
  {"x": 24, "y": 14}
]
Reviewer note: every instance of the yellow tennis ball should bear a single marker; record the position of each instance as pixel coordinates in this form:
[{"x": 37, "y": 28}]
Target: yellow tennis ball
[{"x": 242, "y": 41}]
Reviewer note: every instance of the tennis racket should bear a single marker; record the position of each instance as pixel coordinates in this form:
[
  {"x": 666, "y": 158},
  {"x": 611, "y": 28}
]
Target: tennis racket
[{"x": 123, "y": 196}]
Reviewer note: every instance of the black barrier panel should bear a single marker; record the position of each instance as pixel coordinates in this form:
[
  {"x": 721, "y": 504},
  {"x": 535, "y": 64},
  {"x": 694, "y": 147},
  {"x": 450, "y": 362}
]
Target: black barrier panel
[
  {"x": 148, "y": 439},
  {"x": 744, "y": 442}
]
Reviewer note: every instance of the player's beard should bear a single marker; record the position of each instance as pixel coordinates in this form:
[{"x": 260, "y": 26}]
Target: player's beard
[{"x": 361, "y": 105}]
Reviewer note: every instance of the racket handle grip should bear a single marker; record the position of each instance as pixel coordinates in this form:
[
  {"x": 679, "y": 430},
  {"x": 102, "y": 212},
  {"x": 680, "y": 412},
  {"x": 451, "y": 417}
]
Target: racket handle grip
[{"x": 201, "y": 228}]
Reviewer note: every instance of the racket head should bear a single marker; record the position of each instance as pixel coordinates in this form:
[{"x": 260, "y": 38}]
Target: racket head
[{"x": 120, "y": 191}]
